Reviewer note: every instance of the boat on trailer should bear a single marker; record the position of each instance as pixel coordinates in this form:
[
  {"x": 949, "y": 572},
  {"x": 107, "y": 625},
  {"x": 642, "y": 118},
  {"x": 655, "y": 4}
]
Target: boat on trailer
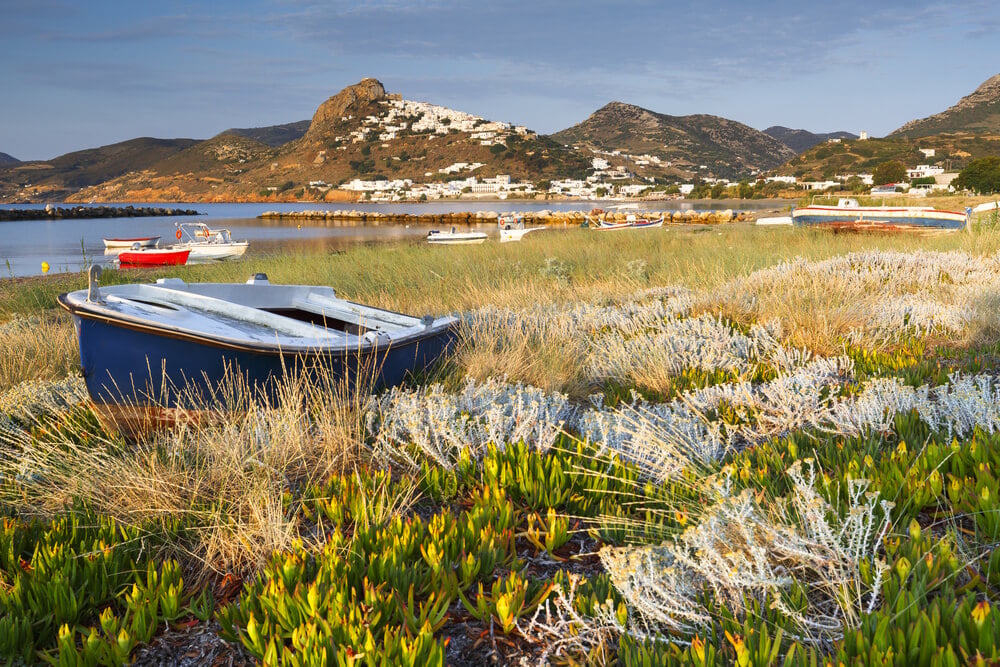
[
  {"x": 159, "y": 346},
  {"x": 849, "y": 215},
  {"x": 124, "y": 244}
]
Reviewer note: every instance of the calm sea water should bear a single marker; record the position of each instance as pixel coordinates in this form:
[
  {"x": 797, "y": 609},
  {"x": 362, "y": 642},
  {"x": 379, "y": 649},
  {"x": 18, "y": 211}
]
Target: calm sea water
[{"x": 68, "y": 245}]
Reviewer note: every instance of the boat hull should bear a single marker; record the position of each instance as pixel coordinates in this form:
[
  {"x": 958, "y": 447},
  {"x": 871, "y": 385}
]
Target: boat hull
[
  {"x": 143, "y": 241},
  {"x": 446, "y": 238},
  {"x": 151, "y": 257},
  {"x": 203, "y": 251},
  {"x": 508, "y": 235},
  {"x": 126, "y": 365},
  {"x": 878, "y": 218}
]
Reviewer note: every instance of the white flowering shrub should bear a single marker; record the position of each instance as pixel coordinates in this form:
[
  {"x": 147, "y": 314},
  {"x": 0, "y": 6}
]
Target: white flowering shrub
[
  {"x": 894, "y": 295},
  {"x": 743, "y": 550},
  {"x": 440, "y": 424},
  {"x": 565, "y": 632}
]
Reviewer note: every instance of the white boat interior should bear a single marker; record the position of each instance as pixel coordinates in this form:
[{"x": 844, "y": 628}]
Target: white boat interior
[{"x": 290, "y": 317}]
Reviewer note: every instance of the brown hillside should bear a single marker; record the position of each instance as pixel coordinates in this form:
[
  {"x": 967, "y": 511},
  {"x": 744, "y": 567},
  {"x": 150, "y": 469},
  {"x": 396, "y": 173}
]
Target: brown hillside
[
  {"x": 361, "y": 132},
  {"x": 976, "y": 113}
]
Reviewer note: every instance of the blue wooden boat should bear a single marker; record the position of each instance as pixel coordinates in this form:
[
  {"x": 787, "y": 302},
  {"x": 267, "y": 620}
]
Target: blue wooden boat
[{"x": 147, "y": 345}]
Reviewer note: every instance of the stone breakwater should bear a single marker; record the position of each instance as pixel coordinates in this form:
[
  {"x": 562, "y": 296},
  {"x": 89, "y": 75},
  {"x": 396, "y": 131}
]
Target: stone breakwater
[
  {"x": 543, "y": 217},
  {"x": 55, "y": 212}
]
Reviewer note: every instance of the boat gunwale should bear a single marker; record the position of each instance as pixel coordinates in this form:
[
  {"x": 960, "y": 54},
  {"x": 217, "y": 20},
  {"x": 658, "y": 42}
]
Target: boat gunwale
[{"x": 357, "y": 345}]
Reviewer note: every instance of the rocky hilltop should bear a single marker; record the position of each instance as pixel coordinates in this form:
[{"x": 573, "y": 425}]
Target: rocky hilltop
[
  {"x": 360, "y": 133},
  {"x": 6, "y": 160},
  {"x": 976, "y": 113},
  {"x": 338, "y": 108},
  {"x": 695, "y": 143}
]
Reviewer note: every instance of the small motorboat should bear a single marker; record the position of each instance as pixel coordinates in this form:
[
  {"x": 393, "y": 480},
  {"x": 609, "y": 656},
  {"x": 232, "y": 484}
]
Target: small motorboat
[
  {"x": 124, "y": 244},
  {"x": 774, "y": 220},
  {"x": 454, "y": 237},
  {"x": 145, "y": 346},
  {"x": 512, "y": 228},
  {"x": 139, "y": 256},
  {"x": 206, "y": 243},
  {"x": 507, "y": 235}
]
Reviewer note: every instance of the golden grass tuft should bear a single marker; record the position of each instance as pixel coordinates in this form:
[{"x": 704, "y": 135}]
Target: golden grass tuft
[
  {"x": 227, "y": 475},
  {"x": 41, "y": 347}
]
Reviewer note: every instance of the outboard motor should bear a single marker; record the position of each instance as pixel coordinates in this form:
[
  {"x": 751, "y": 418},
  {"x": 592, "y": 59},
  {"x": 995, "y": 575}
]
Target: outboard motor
[{"x": 258, "y": 279}]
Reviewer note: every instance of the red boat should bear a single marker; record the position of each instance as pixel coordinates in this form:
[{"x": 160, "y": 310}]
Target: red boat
[{"x": 154, "y": 257}]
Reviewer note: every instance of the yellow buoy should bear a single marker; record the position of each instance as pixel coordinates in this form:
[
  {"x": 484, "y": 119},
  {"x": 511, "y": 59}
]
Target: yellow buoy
[{"x": 45, "y": 267}]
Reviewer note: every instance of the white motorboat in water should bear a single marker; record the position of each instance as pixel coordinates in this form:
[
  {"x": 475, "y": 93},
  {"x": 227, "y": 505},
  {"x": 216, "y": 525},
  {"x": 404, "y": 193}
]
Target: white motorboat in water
[
  {"x": 125, "y": 244},
  {"x": 512, "y": 228},
  {"x": 206, "y": 243},
  {"x": 454, "y": 237}
]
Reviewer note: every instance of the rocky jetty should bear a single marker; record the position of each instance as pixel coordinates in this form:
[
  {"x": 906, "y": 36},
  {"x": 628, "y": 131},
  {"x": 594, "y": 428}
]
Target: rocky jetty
[
  {"x": 543, "y": 217},
  {"x": 51, "y": 212}
]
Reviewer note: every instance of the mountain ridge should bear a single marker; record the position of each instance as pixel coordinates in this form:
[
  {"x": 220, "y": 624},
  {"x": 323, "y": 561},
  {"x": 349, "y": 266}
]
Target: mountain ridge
[
  {"x": 976, "y": 113},
  {"x": 800, "y": 140},
  {"x": 697, "y": 142}
]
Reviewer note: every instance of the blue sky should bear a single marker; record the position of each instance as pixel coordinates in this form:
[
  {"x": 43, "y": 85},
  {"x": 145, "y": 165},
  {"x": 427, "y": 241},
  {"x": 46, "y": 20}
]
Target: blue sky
[{"x": 77, "y": 75}]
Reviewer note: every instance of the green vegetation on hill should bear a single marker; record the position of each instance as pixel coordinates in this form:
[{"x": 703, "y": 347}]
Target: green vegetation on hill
[
  {"x": 982, "y": 176},
  {"x": 272, "y": 135},
  {"x": 829, "y": 159}
]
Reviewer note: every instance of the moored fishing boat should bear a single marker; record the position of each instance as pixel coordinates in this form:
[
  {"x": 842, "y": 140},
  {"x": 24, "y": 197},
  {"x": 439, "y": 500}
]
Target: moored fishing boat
[
  {"x": 206, "y": 243},
  {"x": 146, "y": 345},
  {"x": 849, "y": 215},
  {"x": 454, "y": 237},
  {"x": 643, "y": 223},
  {"x": 139, "y": 256},
  {"x": 631, "y": 222},
  {"x": 143, "y": 241}
]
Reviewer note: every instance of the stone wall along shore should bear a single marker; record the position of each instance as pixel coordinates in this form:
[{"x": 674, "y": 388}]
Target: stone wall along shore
[
  {"x": 51, "y": 212},
  {"x": 543, "y": 217}
]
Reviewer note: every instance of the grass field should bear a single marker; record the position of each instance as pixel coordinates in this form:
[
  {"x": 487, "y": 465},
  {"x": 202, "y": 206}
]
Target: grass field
[{"x": 690, "y": 446}]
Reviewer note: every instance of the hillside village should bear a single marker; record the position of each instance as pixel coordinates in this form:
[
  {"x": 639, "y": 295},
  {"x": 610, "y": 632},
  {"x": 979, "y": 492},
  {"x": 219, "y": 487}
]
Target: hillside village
[{"x": 605, "y": 181}]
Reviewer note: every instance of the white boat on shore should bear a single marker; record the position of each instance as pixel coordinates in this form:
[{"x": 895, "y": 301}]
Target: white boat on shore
[
  {"x": 125, "y": 244},
  {"x": 631, "y": 222},
  {"x": 453, "y": 237},
  {"x": 775, "y": 220},
  {"x": 849, "y": 215},
  {"x": 206, "y": 243}
]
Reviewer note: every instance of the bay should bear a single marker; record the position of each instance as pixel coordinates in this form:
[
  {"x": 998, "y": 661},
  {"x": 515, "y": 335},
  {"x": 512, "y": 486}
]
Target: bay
[{"x": 69, "y": 245}]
